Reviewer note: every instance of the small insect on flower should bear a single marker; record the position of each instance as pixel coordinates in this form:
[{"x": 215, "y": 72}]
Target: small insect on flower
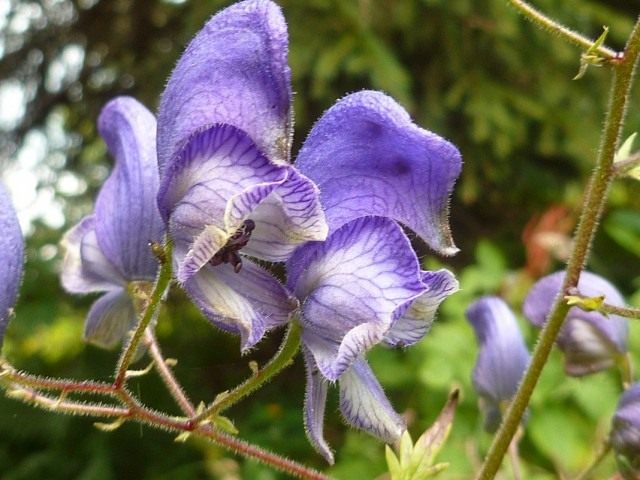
[{"x": 229, "y": 253}]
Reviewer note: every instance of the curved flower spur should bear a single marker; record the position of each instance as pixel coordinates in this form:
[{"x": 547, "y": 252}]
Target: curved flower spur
[{"x": 227, "y": 190}]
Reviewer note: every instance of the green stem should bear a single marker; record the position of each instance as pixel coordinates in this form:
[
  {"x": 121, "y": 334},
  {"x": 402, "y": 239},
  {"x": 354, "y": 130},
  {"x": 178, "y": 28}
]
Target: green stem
[
  {"x": 592, "y": 211},
  {"x": 282, "y": 358},
  {"x": 563, "y": 32},
  {"x": 160, "y": 287}
]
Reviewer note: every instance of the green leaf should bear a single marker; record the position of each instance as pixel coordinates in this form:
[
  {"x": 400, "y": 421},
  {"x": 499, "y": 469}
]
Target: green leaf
[
  {"x": 625, "y": 149},
  {"x": 395, "y": 470}
]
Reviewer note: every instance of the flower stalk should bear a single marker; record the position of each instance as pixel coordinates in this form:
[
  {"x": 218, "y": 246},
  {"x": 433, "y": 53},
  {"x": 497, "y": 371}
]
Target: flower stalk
[
  {"x": 283, "y": 358},
  {"x": 595, "y": 198},
  {"x": 160, "y": 287},
  {"x": 540, "y": 19}
]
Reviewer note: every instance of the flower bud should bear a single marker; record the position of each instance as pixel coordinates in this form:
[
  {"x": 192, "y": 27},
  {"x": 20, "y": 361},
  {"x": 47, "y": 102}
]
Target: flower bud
[
  {"x": 590, "y": 341},
  {"x": 625, "y": 433},
  {"x": 502, "y": 359}
]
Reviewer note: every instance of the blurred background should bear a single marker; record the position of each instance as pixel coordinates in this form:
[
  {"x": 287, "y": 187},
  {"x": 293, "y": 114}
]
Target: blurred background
[{"x": 471, "y": 70}]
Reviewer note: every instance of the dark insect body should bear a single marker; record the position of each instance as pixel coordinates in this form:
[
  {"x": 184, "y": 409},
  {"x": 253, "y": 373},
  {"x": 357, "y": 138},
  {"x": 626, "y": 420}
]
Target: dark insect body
[{"x": 229, "y": 253}]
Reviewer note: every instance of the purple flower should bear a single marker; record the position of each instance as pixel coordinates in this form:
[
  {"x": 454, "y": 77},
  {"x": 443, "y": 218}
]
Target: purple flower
[
  {"x": 590, "y": 341},
  {"x": 625, "y": 433},
  {"x": 109, "y": 250},
  {"x": 368, "y": 158},
  {"x": 11, "y": 260},
  {"x": 502, "y": 359},
  {"x": 361, "y": 287},
  {"x": 227, "y": 190}
]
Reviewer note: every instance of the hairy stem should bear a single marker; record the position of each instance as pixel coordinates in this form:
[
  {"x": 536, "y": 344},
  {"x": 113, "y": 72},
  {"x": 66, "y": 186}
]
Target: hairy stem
[
  {"x": 175, "y": 389},
  {"x": 603, "y": 174},
  {"x": 162, "y": 283},
  {"x": 563, "y": 32},
  {"x": 282, "y": 359},
  {"x": 27, "y": 388}
]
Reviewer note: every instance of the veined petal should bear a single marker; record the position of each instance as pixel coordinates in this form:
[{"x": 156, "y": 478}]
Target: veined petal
[
  {"x": 85, "y": 268},
  {"x": 216, "y": 182},
  {"x": 290, "y": 216},
  {"x": 234, "y": 71},
  {"x": 110, "y": 318},
  {"x": 365, "y": 406},
  {"x": 352, "y": 287},
  {"x": 503, "y": 356},
  {"x": 11, "y": 259},
  {"x": 315, "y": 399},
  {"x": 416, "y": 322},
  {"x": 126, "y": 215},
  {"x": 248, "y": 303},
  {"x": 368, "y": 158},
  {"x": 591, "y": 341}
]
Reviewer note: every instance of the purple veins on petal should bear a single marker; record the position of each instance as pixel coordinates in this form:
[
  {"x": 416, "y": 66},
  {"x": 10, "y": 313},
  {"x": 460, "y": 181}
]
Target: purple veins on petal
[
  {"x": 368, "y": 158},
  {"x": 220, "y": 181},
  {"x": 353, "y": 288},
  {"x": 503, "y": 356},
  {"x": 247, "y": 303},
  {"x": 106, "y": 251},
  {"x": 590, "y": 341},
  {"x": 417, "y": 320},
  {"x": 11, "y": 259},
  {"x": 127, "y": 218},
  {"x": 360, "y": 287}
]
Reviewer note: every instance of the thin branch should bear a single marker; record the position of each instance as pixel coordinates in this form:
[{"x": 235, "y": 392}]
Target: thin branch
[
  {"x": 563, "y": 32},
  {"x": 282, "y": 358},
  {"x": 175, "y": 389},
  {"x": 159, "y": 289}
]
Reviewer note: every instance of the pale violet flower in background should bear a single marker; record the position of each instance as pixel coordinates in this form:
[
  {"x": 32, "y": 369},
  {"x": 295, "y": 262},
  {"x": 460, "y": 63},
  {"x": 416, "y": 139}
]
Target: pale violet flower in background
[
  {"x": 361, "y": 287},
  {"x": 625, "y": 433},
  {"x": 108, "y": 250},
  {"x": 227, "y": 190},
  {"x": 591, "y": 341},
  {"x": 11, "y": 260},
  {"x": 502, "y": 359}
]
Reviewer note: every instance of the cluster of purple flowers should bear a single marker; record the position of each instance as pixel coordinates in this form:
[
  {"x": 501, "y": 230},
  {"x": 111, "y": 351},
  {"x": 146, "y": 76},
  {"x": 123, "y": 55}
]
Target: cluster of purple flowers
[
  {"x": 213, "y": 174},
  {"x": 590, "y": 340}
]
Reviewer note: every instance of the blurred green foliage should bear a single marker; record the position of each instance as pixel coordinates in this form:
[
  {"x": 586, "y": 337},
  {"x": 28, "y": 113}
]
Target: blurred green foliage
[{"x": 471, "y": 70}]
